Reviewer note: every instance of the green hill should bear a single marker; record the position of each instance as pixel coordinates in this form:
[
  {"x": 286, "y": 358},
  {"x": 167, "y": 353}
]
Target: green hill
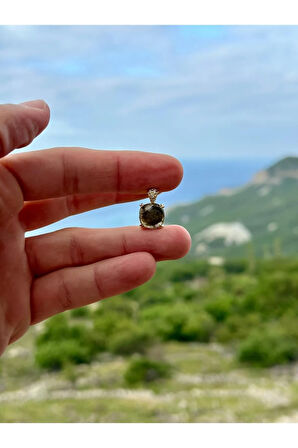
[
  {"x": 259, "y": 218},
  {"x": 286, "y": 164}
]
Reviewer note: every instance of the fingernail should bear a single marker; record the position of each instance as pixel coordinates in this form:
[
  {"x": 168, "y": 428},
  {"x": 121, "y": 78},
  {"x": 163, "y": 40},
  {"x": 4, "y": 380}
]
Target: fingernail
[{"x": 36, "y": 104}]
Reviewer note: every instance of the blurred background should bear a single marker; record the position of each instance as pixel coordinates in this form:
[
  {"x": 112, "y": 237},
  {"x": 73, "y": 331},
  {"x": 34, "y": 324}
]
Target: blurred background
[{"x": 213, "y": 337}]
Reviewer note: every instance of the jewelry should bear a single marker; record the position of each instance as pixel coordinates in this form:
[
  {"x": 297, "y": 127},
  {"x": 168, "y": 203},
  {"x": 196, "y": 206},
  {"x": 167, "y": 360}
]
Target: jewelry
[{"x": 152, "y": 215}]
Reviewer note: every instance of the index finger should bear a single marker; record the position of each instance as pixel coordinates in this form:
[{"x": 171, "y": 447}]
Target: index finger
[{"x": 62, "y": 171}]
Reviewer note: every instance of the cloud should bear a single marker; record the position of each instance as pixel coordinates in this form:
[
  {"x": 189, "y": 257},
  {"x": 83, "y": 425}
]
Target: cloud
[{"x": 189, "y": 91}]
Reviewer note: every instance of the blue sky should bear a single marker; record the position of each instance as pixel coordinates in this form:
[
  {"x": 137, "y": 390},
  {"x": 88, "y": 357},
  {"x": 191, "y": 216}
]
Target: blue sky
[{"x": 190, "y": 91}]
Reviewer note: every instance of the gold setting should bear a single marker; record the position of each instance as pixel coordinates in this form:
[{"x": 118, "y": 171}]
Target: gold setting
[{"x": 152, "y": 215}]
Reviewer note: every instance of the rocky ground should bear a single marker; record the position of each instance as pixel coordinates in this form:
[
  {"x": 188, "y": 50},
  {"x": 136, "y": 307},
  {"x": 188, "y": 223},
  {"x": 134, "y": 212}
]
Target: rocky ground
[{"x": 207, "y": 386}]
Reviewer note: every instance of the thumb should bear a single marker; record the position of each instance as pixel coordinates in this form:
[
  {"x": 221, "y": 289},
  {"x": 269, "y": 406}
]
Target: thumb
[{"x": 21, "y": 123}]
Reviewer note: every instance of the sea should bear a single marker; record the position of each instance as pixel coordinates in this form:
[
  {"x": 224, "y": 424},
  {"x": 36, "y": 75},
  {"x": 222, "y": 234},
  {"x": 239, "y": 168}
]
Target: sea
[{"x": 201, "y": 177}]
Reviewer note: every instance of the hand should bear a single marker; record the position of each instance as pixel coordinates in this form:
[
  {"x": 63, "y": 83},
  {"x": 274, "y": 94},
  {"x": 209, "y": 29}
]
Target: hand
[{"x": 48, "y": 274}]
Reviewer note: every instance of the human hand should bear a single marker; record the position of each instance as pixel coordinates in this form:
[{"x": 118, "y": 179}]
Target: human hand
[{"x": 51, "y": 273}]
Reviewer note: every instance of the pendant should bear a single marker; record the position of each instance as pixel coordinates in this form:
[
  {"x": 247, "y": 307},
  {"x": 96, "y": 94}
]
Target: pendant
[{"x": 152, "y": 215}]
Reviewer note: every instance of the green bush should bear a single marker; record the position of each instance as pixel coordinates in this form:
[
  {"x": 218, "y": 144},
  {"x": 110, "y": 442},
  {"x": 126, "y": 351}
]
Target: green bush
[
  {"x": 239, "y": 285},
  {"x": 275, "y": 294},
  {"x": 61, "y": 343},
  {"x": 183, "y": 292},
  {"x": 157, "y": 296},
  {"x": 104, "y": 326},
  {"x": 225, "y": 306},
  {"x": 235, "y": 266},
  {"x": 289, "y": 323},
  {"x": 129, "y": 339},
  {"x": 84, "y": 311},
  {"x": 118, "y": 334},
  {"x": 55, "y": 355},
  {"x": 179, "y": 322},
  {"x": 220, "y": 307},
  {"x": 198, "y": 327},
  {"x": 107, "y": 323},
  {"x": 237, "y": 327},
  {"x": 268, "y": 347},
  {"x": 118, "y": 305},
  {"x": 184, "y": 271},
  {"x": 58, "y": 329},
  {"x": 144, "y": 370},
  {"x": 55, "y": 329}
]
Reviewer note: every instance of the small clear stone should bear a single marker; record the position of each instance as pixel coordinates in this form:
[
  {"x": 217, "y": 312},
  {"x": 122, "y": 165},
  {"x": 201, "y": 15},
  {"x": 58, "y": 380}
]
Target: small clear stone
[
  {"x": 152, "y": 193},
  {"x": 152, "y": 216}
]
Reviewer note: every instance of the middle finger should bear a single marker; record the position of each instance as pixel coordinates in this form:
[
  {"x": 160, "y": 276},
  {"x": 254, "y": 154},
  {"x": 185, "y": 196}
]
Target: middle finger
[{"x": 36, "y": 214}]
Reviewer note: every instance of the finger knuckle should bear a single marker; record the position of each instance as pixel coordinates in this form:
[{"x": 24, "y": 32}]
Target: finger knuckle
[
  {"x": 16, "y": 130},
  {"x": 11, "y": 197},
  {"x": 75, "y": 250},
  {"x": 70, "y": 175},
  {"x": 4, "y": 140},
  {"x": 64, "y": 295},
  {"x": 98, "y": 281}
]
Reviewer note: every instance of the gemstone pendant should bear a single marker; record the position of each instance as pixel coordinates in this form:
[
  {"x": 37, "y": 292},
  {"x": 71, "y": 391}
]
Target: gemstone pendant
[{"x": 152, "y": 215}]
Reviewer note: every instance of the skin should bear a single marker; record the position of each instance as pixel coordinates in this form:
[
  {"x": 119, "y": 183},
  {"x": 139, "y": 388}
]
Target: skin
[{"x": 51, "y": 273}]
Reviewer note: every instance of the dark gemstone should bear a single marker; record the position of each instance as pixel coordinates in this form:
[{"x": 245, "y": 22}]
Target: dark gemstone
[{"x": 151, "y": 215}]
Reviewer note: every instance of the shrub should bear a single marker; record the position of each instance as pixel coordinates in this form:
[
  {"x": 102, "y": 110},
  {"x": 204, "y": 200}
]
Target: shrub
[
  {"x": 184, "y": 292},
  {"x": 225, "y": 304},
  {"x": 235, "y": 266},
  {"x": 58, "y": 329},
  {"x": 116, "y": 333},
  {"x": 104, "y": 326},
  {"x": 144, "y": 370},
  {"x": 220, "y": 307},
  {"x": 268, "y": 347},
  {"x": 275, "y": 293},
  {"x": 55, "y": 329},
  {"x": 237, "y": 327},
  {"x": 129, "y": 339},
  {"x": 107, "y": 322},
  {"x": 180, "y": 322},
  {"x": 54, "y": 356},
  {"x": 120, "y": 305},
  {"x": 61, "y": 343},
  {"x": 198, "y": 327},
  {"x": 187, "y": 271},
  {"x": 157, "y": 296},
  {"x": 239, "y": 285},
  {"x": 84, "y": 311}
]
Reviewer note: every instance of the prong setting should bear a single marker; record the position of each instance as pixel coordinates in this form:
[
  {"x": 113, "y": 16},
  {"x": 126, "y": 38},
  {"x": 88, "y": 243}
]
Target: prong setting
[{"x": 152, "y": 215}]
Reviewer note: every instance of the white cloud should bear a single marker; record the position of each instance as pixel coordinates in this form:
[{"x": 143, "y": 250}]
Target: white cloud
[{"x": 234, "y": 92}]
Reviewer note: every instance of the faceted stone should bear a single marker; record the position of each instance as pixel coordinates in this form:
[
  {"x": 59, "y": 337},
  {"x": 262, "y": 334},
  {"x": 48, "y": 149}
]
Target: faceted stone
[{"x": 152, "y": 216}]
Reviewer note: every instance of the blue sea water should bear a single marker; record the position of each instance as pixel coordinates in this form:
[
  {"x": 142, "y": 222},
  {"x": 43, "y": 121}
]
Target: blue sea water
[{"x": 201, "y": 177}]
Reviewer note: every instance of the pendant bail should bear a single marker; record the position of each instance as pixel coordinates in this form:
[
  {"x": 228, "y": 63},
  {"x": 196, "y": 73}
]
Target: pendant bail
[{"x": 152, "y": 194}]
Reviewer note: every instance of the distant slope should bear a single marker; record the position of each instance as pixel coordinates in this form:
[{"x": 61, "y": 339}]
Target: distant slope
[{"x": 261, "y": 216}]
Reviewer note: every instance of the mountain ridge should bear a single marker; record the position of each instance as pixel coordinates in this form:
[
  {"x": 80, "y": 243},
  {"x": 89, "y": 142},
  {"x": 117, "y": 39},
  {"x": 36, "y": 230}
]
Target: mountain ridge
[{"x": 259, "y": 216}]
